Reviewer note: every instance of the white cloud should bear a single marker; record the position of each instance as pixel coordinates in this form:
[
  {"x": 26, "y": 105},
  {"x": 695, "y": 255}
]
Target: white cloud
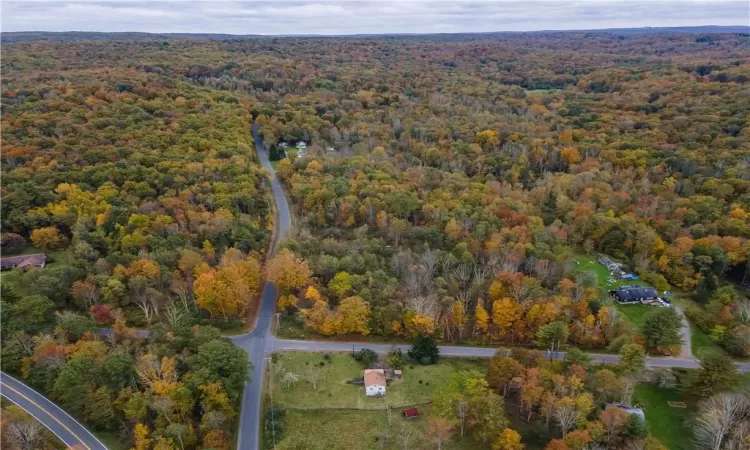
[{"x": 365, "y": 17}]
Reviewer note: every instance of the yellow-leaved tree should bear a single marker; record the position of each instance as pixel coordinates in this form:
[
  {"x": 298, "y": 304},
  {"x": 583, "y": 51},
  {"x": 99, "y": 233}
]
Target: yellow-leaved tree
[
  {"x": 352, "y": 315},
  {"x": 228, "y": 289},
  {"x": 140, "y": 437},
  {"x": 288, "y": 272},
  {"x": 47, "y": 238}
]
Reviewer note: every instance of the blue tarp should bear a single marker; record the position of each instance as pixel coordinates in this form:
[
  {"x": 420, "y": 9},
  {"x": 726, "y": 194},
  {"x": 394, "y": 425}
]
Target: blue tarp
[{"x": 629, "y": 276}]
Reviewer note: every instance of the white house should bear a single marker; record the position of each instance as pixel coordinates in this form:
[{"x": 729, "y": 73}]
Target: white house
[
  {"x": 375, "y": 382},
  {"x": 301, "y": 144}
]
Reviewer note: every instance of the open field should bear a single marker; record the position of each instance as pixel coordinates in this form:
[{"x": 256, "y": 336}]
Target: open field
[
  {"x": 416, "y": 386},
  {"x": 346, "y": 430},
  {"x": 670, "y": 425},
  {"x": 338, "y": 415},
  {"x": 701, "y": 341}
]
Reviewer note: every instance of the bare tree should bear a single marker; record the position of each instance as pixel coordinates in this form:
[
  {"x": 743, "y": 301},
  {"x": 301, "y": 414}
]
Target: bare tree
[
  {"x": 144, "y": 298},
  {"x": 313, "y": 376},
  {"x": 461, "y": 274},
  {"x": 718, "y": 416},
  {"x": 628, "y": 386},
  {"x": 565, "y": 413},
  {"x": 184, "y": 291},
  {"x": 429, "y": 260},
  {"x": 401, "y": 262},
  {"x": 174, "y": 315},
  {"x": 407, "y": 434},
  {"x": 462, "y": 410},
  {"x": 740, "y": 437},
  {"x": 743, "y": 312},
  {"x": 26, "y": 435},
  {"x": 163, "y": 405},
  {"x": 213, "y": 419},
  {"x": 424, "y": 305},
  {"x": 24, "y": 341}
]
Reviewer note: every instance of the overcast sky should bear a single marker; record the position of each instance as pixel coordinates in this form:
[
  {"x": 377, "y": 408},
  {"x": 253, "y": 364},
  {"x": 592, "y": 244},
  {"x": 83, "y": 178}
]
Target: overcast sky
[{"x": 354, "y": 16}]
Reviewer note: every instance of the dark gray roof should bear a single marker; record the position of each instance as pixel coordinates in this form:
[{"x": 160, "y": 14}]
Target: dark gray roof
[{"x": 633, "y": 293}]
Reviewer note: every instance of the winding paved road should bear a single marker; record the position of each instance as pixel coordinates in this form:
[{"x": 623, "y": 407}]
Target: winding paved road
[
  {"x": 66, "y": 428},
  {"x": 260, "y": 341}
]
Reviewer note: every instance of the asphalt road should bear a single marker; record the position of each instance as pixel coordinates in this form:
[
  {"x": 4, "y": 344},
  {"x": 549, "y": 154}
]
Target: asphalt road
[
  {"x": 283, "y": 216},
  {"x": 467, "y": 352},
  {"x": 260, "y": 341},
  {"x": 66, "y": 428}
]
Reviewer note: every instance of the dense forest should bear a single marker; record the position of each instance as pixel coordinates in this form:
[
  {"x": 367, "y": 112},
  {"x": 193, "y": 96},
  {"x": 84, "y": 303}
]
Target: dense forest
[
  {"x": 449, "y": 184},
  {"x": 447, "y": 187}
]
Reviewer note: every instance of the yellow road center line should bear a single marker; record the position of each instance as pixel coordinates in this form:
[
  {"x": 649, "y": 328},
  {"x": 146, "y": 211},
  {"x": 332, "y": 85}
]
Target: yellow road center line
[{"x": 80, "y": 441}]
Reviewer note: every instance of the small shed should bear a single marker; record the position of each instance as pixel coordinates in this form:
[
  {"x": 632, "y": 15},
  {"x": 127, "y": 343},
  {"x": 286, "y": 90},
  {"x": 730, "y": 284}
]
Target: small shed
[
  {"x": 410, "y": 413},
  {"x": 397, "y": 373}
]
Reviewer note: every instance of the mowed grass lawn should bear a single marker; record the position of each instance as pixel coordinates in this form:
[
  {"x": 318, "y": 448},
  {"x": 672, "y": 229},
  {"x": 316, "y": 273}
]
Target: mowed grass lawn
[
  {"x": 634, "y": 313},
  {"x": 348, "y": 430},
  {"x": 416, "y": 386},
  {"x": 670, "y": 425}
]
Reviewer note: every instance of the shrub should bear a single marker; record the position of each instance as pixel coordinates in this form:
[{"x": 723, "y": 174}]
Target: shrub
[
  {"x": 395, "y": 358},
  {"x": 366, "y": 356},
  {"x": 424, "y": 350},
  {"x": 699, "y": 317}
]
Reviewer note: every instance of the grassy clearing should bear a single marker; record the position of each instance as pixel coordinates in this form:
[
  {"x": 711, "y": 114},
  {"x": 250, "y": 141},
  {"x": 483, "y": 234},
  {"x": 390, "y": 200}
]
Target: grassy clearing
[
  {"x": 542, "y": 91},
  {"x": 700, "y": 341},
  {"x": 670, "y": 425},
  {"x": 13, "y": 277},
  {"x": 416, "y": 386},
  {"x": 345, "y": 430},
  {"x": 634, "y": 313},
  {"x": 588, "y": 264}
]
